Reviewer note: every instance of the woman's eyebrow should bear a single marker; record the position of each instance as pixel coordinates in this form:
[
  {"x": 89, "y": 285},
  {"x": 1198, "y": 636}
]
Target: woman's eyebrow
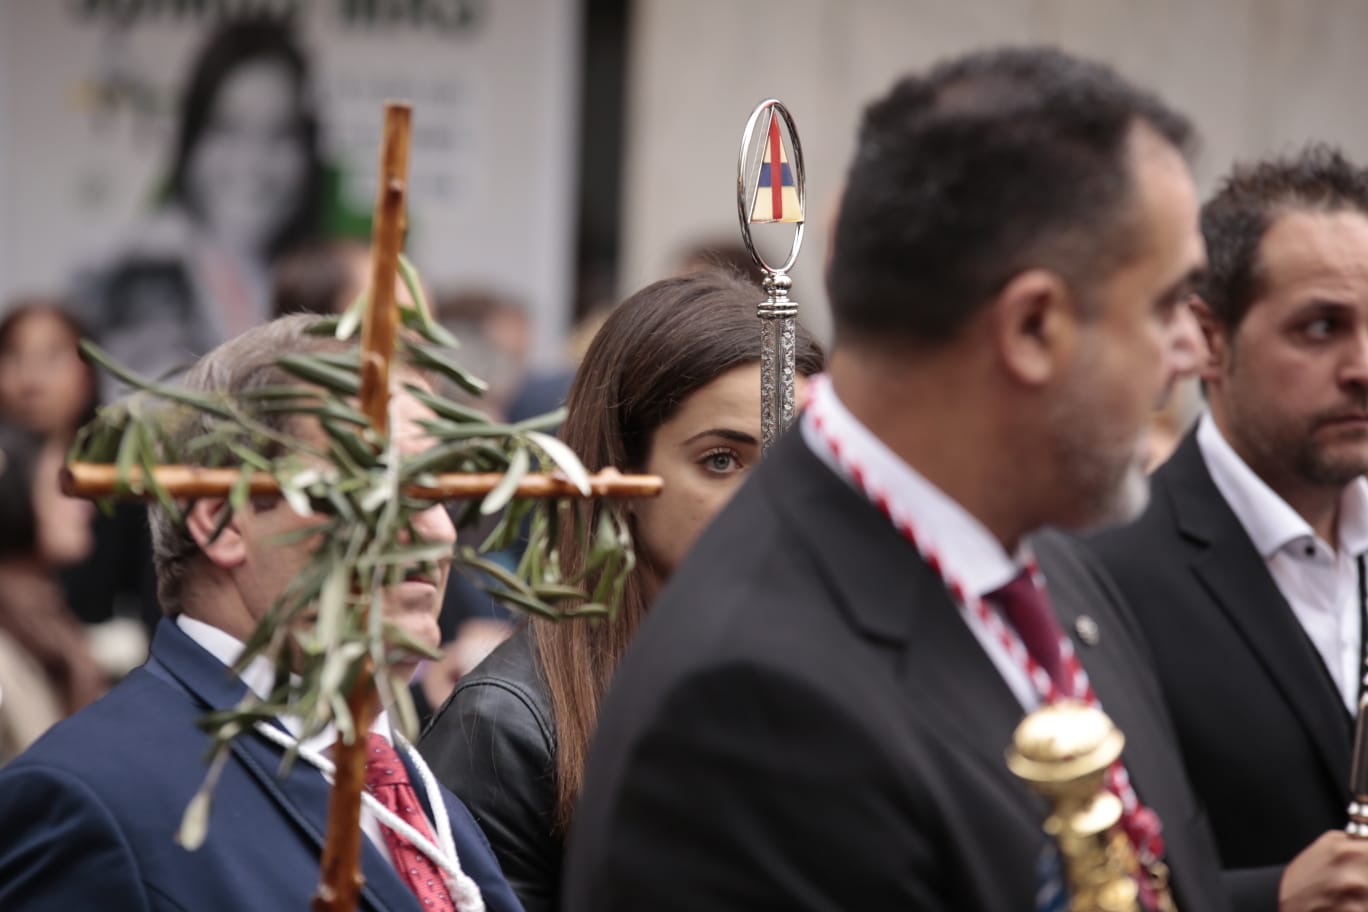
[{"x": 724, "y": 433}]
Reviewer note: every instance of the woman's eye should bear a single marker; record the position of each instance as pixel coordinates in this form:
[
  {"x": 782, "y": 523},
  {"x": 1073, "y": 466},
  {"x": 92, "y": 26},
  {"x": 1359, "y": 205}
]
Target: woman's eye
[{"x": 720, "y": 462}]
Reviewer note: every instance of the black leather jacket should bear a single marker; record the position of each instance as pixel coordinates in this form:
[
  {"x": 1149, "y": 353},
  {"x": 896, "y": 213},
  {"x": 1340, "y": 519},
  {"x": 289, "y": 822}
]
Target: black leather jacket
[{"x": 493, "y": 743}]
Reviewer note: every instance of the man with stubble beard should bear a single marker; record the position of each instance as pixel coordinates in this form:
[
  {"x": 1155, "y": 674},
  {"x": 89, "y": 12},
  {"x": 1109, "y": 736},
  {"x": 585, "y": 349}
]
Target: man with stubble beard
[{"x": 1247, "y": 571}]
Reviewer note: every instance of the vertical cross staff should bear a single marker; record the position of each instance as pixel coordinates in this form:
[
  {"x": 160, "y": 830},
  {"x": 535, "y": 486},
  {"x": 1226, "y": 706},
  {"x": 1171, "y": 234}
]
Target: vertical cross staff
[
  {"x": 340, "y": 878},
  {"x": 776, "y": 194}
]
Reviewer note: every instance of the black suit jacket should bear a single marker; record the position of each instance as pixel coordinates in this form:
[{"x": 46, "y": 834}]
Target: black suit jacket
[
  {"x": 805, "y": 722},
  {"x": 1264, "y": 733}
]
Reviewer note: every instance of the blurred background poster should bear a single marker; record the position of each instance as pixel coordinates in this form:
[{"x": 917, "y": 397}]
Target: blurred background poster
[{"x": 160, "y": 157}]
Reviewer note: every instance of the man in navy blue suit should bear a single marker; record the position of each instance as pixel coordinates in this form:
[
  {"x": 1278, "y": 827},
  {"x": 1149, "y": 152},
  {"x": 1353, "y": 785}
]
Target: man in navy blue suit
[{"x": 89, "y": 815}]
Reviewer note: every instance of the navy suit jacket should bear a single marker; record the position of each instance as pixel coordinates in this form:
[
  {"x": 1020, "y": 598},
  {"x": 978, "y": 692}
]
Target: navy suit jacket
[{"x": 88, "y": 815}]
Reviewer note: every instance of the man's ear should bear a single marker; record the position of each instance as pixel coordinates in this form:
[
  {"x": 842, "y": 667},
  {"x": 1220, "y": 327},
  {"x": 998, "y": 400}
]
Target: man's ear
[
  {"x": 1035, "y": 322},
  {"x": 217, "y": 535},
  {"x": 1214, "y": 334}
]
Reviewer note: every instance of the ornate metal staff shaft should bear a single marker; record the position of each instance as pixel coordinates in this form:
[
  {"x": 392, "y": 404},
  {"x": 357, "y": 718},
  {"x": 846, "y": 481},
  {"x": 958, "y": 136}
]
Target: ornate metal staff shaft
[
  {"x": 1358, "y": 773},
  {"x": 776, "y": 194},
  {"x": 778, "y": 359}
]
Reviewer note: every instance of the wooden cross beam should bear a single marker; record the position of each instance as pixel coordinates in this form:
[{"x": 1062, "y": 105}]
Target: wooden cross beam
[
  {"x": 379, "y": 332},
  {"x": 340, "y": 876}
]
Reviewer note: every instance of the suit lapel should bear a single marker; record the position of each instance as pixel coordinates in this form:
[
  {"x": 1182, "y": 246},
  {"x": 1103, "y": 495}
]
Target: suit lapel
[
  {"x": 1112, "y": 657},
  {"x": 1227, "y": 565},
  {"x": 892, "y": 597},
  {"x": 302, "y": 794},
  {"x": 957, "y": 686}
]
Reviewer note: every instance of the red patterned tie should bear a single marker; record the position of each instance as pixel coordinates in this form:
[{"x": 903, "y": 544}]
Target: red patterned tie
[
  {"x": 387, "y": 779},
  {"x": 1027, "y": 609}
]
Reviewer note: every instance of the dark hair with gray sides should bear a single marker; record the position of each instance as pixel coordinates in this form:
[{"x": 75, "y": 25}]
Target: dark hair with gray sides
[
  {"x": 1234, "y": 221},
  {"x": 989, "y": 165}
]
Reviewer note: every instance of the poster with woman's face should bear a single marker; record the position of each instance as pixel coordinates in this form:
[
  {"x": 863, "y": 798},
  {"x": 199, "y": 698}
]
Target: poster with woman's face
[
  {"x": 158, "y": 158},
  {"x": 247, "y": 171}
]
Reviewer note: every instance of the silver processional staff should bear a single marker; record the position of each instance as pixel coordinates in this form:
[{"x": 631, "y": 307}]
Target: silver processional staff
[{"x": 769, "y": 190}]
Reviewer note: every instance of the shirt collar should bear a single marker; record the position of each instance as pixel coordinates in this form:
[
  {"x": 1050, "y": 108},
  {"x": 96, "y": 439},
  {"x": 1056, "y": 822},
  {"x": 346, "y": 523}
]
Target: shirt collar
[
  {"x": 967, "y": 550},
  {"x": 1269, "y": 520},
  {"x": 259, "y": 676}
]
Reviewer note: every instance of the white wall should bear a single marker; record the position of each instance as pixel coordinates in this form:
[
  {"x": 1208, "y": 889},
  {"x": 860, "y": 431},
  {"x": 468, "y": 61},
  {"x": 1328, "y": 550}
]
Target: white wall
[{"x": 1256, "y": 76}]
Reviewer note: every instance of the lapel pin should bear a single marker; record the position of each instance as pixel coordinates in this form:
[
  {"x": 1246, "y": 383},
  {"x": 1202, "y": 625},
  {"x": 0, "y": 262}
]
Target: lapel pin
[{"x": 1087, "y": 631}]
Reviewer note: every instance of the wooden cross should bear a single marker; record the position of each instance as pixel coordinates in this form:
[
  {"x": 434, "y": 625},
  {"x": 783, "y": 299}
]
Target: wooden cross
[{"x": 340, "y": 877}]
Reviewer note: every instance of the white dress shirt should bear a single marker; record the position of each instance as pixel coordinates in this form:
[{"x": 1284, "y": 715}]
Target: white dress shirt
[
  {"x": 968, "y": 551},
  {"x": 259, "y": 676},
  {"x": 1319, "y": 583}
]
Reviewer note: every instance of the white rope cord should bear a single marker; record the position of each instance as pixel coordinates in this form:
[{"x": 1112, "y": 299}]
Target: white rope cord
[
  {"x": 434, "y": 793},
  {"x": 465, "y": 893}
]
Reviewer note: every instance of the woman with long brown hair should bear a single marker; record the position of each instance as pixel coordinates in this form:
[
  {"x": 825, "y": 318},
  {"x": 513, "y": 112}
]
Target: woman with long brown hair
[{"x": 671, "y": 386}]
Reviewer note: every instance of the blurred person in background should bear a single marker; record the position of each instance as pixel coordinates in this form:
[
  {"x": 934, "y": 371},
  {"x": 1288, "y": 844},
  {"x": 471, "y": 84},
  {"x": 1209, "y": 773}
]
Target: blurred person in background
[
  {"x": 545, "y": 389},
  {"x": 48, "y": 388},
  {"x": 1173, "y": 421},
  {"x": 495, "y": 332},
  {"x": 1176, "y": 417},
  {"x": 495, "y": 335},
  {"x": 323, "y": 277},
  {"x": 46, "y": 385},
  {"x": 246, "y": 183},
  {"x": 670, "y": 386},
  {"x": 46, "y": 669},
  {"x": 721, "y": 253}
]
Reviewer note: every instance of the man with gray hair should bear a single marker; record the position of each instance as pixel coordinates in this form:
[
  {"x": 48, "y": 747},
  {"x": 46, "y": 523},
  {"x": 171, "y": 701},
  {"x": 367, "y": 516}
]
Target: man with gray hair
[{"x": 91, "y": 810}]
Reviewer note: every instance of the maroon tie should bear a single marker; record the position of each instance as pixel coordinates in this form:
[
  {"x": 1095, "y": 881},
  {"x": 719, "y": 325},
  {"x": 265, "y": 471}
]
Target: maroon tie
[
  {"x": 1027, "y": 609},
  {"x": 387, "y": 779}
]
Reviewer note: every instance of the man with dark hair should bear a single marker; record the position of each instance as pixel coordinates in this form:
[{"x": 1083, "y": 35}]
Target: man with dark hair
[
  {"x": 91, "y": 812},
  {"x": 1247, "y": 571},
  {"x": 815, "y": 712}
]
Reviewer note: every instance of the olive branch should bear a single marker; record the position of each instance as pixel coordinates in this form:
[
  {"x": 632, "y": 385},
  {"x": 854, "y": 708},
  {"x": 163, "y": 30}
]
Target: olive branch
[
  {"x": 364, "y": 494},
  {"x": 326, "y": 638}
]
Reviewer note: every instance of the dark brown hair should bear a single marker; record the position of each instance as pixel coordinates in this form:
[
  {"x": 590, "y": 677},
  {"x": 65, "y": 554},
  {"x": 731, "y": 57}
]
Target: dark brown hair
[
  {"x": 655, "y": 350},
  {"x": 1319, "y": 178},
  {"x": 317, "y": 278},
  {"x": 988, "y": 165}
]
